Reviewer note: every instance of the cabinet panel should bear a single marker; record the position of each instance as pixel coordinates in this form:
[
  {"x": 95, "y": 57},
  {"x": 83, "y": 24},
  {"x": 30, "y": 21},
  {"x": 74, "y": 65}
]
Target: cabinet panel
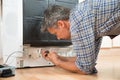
[
  {"x": 106, "y": 42},
  {"x": 116, "y": 41}
]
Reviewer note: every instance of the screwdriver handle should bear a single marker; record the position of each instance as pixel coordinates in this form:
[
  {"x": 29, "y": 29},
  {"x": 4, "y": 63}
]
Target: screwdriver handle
[{"x": 47, "y": 52}]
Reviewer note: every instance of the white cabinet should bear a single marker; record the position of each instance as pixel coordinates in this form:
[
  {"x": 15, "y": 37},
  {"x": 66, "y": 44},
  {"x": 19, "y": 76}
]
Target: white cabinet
[
  {"x": 0, "y": 30},
  {"x": 11, "y": 28},
  {"x": 107, "y": 42},
  {"x": 116, "y": 41}
]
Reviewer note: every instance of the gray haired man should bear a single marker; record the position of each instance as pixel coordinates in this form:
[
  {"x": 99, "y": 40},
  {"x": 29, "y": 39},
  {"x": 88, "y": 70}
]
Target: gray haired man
[{"x": 85, "y": 25}]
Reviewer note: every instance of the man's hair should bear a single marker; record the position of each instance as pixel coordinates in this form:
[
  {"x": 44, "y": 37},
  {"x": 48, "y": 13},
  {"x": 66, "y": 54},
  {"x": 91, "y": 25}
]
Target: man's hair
[{"x": 54, "y": 13}]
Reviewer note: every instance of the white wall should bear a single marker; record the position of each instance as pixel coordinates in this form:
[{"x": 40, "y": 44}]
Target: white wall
[
  {"x": 0, "y": 41},
  {"x": 0, "y": 32}
]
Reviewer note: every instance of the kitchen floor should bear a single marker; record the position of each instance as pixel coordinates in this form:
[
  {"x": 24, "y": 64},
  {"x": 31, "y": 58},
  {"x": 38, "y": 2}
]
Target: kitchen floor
[{"x": 108, "y": 65}]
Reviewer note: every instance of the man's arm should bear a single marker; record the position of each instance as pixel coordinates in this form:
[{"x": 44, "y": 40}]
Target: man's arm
[
  {"x": 71, "y": 59},
  {"x": 67, "y": 63}
]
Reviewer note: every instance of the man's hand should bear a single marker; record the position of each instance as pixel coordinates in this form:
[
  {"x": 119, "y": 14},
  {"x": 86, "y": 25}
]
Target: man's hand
[{"x": 51, "y": 56}]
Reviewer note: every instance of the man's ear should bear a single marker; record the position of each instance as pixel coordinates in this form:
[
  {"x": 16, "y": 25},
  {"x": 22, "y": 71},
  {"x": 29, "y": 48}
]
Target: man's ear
[{"x": 60, "y": 24}]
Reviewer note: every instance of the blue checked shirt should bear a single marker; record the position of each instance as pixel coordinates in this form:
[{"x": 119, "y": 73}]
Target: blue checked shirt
[{"x": 89, "y": 21}]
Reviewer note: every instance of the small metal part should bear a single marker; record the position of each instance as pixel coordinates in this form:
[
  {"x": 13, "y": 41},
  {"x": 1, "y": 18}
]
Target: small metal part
[{"x": 47, "y": 52}]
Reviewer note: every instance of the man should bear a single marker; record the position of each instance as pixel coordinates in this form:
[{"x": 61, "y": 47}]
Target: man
[{"x": 84, "y": 25}]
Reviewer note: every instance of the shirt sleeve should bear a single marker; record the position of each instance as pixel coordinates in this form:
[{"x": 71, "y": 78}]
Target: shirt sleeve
[{"x": 84, "y": 43}]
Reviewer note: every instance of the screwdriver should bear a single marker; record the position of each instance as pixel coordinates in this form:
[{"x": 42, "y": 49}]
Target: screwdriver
[{"x": 47, "y": 52}]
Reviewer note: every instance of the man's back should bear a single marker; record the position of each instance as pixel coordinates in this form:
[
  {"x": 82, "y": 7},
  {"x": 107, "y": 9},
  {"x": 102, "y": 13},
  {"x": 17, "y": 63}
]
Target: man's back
[{"x": 89, "y": 21}]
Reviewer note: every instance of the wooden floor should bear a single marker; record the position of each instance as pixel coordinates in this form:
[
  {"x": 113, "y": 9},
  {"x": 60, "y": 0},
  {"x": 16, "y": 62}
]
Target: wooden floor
[{"x": 108, "y": 66}]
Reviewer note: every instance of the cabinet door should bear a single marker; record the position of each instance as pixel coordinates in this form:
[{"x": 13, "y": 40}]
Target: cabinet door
[
  {"x": 106, "y": 42},
  {"x": 116, "y": 41}
]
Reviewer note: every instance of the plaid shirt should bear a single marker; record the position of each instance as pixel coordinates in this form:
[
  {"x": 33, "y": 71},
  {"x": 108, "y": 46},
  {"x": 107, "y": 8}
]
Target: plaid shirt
[{"x": 88, "y": 21}]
